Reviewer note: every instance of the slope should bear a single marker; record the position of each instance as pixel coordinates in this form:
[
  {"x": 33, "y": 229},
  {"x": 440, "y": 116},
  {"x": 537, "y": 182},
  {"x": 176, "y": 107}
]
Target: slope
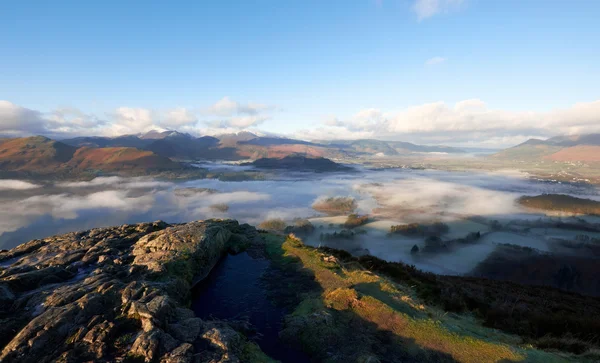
[{"x": 37, "y": 156}]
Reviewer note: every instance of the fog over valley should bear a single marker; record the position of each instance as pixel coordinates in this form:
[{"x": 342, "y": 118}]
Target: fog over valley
[
  {"x": 466, "y": 202},
  {"x": 369, "y": 181}
]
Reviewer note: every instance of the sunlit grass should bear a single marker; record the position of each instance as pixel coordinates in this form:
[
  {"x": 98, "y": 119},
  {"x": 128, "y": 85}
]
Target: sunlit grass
[{"x": 350, "y": 293}]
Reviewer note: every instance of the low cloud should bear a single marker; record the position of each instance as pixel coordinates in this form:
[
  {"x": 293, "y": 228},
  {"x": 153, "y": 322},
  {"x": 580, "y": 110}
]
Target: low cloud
[
  {"x": 226, "y": 114},
  {"x": 15, "y": 120},
  {"x": 9, "y": 184},
  {"x": 443, "y": 197},
  {"x": 118, "y": 182},
  {"x": 128, "y": 120},
  {"x": 228, "y": 107},
  {"x": 468, "y": 122},
  {"x": 179, "y": 117}
]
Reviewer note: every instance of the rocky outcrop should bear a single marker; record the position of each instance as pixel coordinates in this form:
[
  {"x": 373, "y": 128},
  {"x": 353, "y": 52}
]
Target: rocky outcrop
[{"x": 116, "y": 294}]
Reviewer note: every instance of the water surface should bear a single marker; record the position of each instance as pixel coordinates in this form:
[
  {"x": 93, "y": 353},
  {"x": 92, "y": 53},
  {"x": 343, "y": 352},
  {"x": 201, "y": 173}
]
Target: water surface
[{"x": 234, "y": 291}]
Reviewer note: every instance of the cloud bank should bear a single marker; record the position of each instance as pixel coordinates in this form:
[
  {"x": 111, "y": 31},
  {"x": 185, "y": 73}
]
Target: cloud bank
[
  {"x": 227, "y": 114},
  {"x": 465, "y": 122},
  {"x": 10, "y": 184}
]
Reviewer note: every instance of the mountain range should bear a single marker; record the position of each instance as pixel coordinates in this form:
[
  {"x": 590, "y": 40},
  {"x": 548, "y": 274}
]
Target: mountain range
[
  {"x": 157, "y": 152},
  {"x": 246, "y": 145}
]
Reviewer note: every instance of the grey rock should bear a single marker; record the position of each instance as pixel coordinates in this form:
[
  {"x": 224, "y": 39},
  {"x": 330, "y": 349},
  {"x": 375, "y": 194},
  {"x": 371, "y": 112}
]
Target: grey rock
[{"x": 108, "y": 293}]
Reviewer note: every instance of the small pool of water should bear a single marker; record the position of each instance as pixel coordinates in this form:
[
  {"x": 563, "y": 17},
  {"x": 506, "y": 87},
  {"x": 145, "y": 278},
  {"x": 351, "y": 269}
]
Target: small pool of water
[{"x": 233, "y": 291}]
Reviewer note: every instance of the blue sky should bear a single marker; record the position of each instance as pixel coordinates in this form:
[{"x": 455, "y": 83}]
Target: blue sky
[{"x": 353, "y": 68}]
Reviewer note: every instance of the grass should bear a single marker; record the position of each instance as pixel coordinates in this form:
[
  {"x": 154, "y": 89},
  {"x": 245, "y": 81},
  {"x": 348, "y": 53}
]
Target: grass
[
  {"x": 250, "y": 352},
  {"x": 353, "y": 314}
]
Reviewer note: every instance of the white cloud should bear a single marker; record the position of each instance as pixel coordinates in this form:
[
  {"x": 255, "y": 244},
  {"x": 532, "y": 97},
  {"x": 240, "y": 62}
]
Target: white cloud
[
  {"x": 228, "y": 107},
  {"x": 10, "y": 184},
  {"x": 434, "y": 61},
  {"x": 118, "y": 183},
  {"x": 71, "y": 120},
  {"x": 469, "y": 122},
  {"x": 128, "y": 120},
  {"x": 428, "y": 8},
  {"x": 227, "y": 113},
  {"x": 466, "y": 122},
  {"x": 16, "y": 120},
  {"x": 333, "y": 133},
  {"x": 243, "y": 122},
  {"x": 179, "y": 117}
]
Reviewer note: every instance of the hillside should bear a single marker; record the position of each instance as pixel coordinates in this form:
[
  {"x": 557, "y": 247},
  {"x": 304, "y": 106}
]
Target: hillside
[
  {"x": 123, "y": 294},
  {"x": 299, "y": 163},
  {"x": 529, "y": 151},
  {"x": 120, "y": 159},
  {"x": 584, "y": 153},
  {"x": 37, "y": 156},
  {"x": 232, "y": 139},
  {"x": 389, "y": 148},
  {"x": 186, "y": 147},
  {"x": 583, "y": 148},
  {"x": 34, "y": 153}
]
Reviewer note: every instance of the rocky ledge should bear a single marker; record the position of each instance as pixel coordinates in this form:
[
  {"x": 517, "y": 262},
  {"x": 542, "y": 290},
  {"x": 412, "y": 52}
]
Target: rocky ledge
[{"x": 117, "y": 294}]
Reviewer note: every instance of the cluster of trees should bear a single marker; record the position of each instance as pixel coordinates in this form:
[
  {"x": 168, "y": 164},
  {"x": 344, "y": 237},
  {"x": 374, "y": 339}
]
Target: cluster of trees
[
  {"x": 434, "y": 244},
  {"x": 355, "y": 220},
  {"x": 416, "y": 229},
  {"x": 576, "y": 272},
  {"x": 561, "y": 203},
  {"x": 301, "y": 227},
  {"x": 344, "y": 234},
  {"x": 276, "y": 225},
  {"x": 335, "y": 205}
]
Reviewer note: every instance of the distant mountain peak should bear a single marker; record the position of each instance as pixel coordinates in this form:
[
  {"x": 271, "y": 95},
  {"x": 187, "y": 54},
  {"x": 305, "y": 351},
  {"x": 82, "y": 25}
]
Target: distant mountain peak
[
  {"x": 533, "y": 141},
  {"x": 158, "y": 135}
]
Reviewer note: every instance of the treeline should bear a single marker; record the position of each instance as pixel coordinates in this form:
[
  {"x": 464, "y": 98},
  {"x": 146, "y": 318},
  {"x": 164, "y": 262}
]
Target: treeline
[
  {"x": 344, "y": 234},
  {"x": 355, "y": 220},
  {"x": 561, "y": 203},
  {"x": 416, "y": 229},
  {"x": 335, "y": 205}
]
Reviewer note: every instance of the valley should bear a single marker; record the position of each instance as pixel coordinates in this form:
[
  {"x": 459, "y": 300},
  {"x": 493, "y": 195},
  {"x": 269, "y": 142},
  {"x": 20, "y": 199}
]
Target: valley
[{"x": 359, "y": 239}]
